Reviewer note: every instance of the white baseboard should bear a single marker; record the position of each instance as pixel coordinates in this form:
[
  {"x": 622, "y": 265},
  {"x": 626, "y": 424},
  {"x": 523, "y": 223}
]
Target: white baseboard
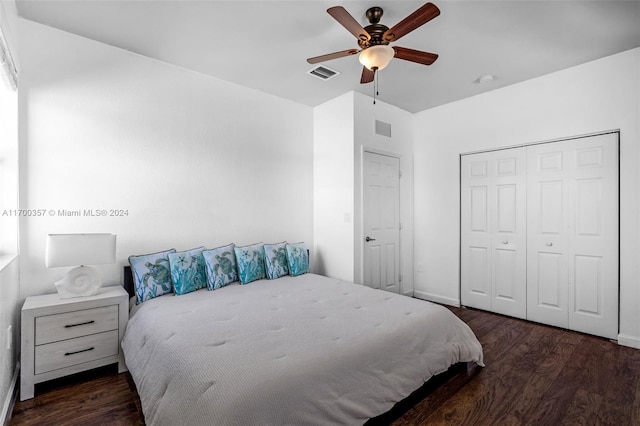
[
  {"x": 11, "y": 397},
  {"x": 408, "y": 293},
  {"x": 435, "y": 298},
  {"x": 632, "y": 342}
]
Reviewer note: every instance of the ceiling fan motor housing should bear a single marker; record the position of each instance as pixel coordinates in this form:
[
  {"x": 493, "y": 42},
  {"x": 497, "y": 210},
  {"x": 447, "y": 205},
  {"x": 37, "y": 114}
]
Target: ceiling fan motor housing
[{"x": 375, "y": 29}]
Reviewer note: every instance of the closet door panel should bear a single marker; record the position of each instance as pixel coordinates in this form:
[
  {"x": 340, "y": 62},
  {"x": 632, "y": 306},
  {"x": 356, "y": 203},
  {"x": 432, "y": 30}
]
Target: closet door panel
[
  {"x": 475, "y": 252},
  {"x": 550, "y": 207},
  {"x": 588, "y": 293},
  {"x": 478, "y": 271},
  {"x": 508, "y": 224},
  {"x": 478, "y": 205},
  {"x": 572, "y": 247},
  {"x": 493, "y": 227},
  {"x": 505, "y": 262},
  {"x": 594, "y": 273},
  {"x": 547, "y": 258},
  {"x": 507, "y": 199},
  {"x": 550, "y": 287}
]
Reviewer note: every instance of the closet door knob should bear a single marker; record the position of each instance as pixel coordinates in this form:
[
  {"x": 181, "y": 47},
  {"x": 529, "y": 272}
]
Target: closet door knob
[
  {"x": 369, "y": 239},
  {"x": 549, "y": 244},
  {"x": 505, "y": 242}
]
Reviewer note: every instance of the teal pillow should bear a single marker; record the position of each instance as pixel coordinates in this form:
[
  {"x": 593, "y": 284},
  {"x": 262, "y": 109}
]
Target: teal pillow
[
  {"x": 275, "y": 260},
  {"x": 151, "y": 274},
  {"x": 188, "y": 271},
  {"x": 298, "y": 258},
  {"x": 250, "y": 263},
  {"x": 221, "y": 266}
]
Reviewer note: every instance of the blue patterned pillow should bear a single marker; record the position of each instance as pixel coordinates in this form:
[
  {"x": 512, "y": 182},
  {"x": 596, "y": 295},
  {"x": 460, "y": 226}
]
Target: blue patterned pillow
[
  {"x": 298, "y": 258},
  {"x": 275, "y": 260},
  {"x": 250, "y": 262},
  {"x": 188, "y": 271},
  {"x": 151, "y": 274},
  {"x": 221, "y": 266}
]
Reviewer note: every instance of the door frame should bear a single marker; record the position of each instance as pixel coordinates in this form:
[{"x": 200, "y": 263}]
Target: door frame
[
  {"x": 562, "y": 139},
  {"x": 359, "y": 228}
]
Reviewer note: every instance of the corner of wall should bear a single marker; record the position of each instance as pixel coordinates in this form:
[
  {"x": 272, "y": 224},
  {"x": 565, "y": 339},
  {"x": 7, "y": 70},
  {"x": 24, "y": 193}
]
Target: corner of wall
[
  {"x": 10, "y": 342},
  {"x": 10, "y": 398},
  {"x": 333, "y": 166}
]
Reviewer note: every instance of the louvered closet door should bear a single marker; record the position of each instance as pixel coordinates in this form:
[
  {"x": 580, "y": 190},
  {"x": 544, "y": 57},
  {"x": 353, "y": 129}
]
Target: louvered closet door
[
  {"x": 572, "y": 249},
  {"x": 493, "y": 231}
]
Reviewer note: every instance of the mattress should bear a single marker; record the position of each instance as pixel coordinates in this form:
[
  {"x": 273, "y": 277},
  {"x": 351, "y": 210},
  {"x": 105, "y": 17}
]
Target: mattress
[{"x": 290, "y": 351}]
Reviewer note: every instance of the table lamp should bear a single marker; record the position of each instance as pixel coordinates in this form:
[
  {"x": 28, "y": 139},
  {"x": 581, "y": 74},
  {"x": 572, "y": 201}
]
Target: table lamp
[{"x": 80, "y": 250}]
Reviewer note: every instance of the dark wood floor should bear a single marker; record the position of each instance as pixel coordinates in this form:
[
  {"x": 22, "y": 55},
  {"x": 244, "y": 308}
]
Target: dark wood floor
[{"x": 534, "y": 375}]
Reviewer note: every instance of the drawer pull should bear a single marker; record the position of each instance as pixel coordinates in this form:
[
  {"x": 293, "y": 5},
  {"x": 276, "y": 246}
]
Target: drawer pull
[
  {"x": 80, "y": 323},
  {"x": 80, "y": 351}
]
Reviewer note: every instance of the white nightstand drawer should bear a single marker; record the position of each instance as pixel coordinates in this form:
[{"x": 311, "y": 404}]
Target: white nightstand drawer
[
  {"x": 75, "y": 351},
  {"x": 53, "y": 328}
]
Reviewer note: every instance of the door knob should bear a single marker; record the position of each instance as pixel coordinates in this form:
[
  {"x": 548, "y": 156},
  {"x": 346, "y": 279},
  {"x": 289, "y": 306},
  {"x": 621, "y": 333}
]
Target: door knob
[
  {"x": 549, "y": 244},
  {"x": 369, "y": 239},
  {"x": 505, "y": 242}
]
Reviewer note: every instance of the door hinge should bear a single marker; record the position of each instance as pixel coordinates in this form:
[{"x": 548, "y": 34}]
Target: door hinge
[
  {"x": 400, "y": 278},
  {"x": 400, "y": 226},
  {"x": 399, "y": 173}
]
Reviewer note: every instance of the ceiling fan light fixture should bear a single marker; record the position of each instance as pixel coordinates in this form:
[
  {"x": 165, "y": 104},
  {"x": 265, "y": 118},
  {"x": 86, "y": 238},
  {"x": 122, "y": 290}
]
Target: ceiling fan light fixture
[{"x": 376, "y": 57}]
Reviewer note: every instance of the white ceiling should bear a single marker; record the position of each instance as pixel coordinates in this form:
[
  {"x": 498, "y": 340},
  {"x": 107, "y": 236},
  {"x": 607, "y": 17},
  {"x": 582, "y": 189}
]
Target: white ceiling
[{"x": 264, "y": 44}]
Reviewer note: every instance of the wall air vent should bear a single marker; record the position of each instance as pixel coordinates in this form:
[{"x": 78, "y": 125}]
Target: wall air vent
[
  {"x": 323, "y": 73},
  {"x": 383, "y": 129}
]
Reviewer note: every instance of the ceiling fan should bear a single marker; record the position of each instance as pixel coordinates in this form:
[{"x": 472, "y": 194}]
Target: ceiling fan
[{"x": 374, "y": 39}]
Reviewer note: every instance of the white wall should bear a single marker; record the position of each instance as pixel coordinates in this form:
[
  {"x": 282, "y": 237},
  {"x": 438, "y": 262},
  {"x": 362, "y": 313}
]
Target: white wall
[
  {"x": 597, "y": 96},
  {"x": 333, "y": 188},
  {"x": 194, "y": 160}
]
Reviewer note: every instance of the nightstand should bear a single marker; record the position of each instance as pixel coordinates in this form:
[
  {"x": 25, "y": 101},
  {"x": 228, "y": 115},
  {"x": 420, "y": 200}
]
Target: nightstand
[{"x": 66, "y": 336}]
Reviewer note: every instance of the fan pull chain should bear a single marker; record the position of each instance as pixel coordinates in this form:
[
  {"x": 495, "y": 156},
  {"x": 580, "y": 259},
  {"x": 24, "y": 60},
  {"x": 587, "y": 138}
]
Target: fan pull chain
[{"x": 375, "y": 84}]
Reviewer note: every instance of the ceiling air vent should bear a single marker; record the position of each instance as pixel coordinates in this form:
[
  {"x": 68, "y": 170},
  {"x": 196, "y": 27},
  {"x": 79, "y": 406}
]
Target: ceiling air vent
[{"x": 323, "y": 73}]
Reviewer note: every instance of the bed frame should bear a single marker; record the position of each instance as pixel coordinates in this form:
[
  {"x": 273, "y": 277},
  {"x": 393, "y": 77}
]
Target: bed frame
[{"x": 128, "y": 281}]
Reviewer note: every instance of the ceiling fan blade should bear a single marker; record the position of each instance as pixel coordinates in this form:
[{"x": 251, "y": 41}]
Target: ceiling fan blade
[
  {"x": 418, "y": 56},
  {"x": 341, "y": 15},
  {"x": 367, "y": 76},
  {"x": 334, "y": 55},
  {"x": 420, "y": 17}
]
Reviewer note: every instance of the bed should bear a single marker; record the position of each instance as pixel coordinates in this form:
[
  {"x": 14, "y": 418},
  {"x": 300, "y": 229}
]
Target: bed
[{"x": 290, "y": 351}]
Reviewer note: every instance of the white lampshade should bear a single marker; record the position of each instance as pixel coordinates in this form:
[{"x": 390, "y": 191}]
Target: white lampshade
[
  {"x": 80, "y": 249},
  {"x": 376, "y": 56}
]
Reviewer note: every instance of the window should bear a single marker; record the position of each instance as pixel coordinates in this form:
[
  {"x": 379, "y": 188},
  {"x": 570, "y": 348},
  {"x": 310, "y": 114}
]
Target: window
[{"x": 9, "y": 213}]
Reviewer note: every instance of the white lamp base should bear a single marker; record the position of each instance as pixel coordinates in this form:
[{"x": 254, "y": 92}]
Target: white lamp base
[{"x": 80, "y": 281}]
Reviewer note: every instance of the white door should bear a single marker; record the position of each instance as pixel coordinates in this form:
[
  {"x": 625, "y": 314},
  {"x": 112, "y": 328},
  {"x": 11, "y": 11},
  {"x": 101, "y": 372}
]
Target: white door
[
  {"x": 475, "y": 231},
  {"x": 493, "y": 231},
  {"x": 381, "y": 219},
  {"x": 573, "y": 234}
]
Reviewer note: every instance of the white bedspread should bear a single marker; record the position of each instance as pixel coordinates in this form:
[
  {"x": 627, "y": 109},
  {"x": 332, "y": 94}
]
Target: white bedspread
[{"x": 292, "y": 351}]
